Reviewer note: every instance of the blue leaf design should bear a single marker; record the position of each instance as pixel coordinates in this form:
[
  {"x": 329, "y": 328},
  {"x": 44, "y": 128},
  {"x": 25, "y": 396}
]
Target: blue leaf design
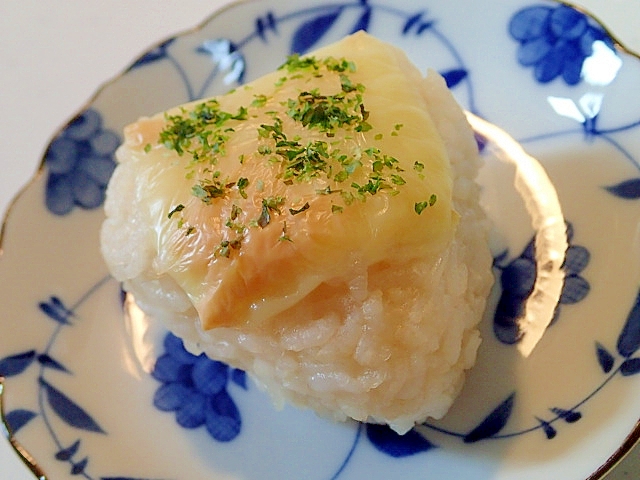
[
  {"x": 239, "y": 377},
  {"x": 417, "y": 22},
  {"x": 605, "y": 359},
  {"x": 68, "y": 410},
  {"x": 547, "y": 428},
  {"x": 424, "y": 26},
  {"x": 363, "y": 22},
  {"x": 574, "y": 290},
  {"x": 263, "y": 25},
  {"x": 569, "y": 416},
  {"x": 57, "y": 303},
  {"x": 309, "y": 33},
  {"x": 158, "y": 53},
  {"x": 629, "y": 189},
  {"x": 454, "y": 77},
  {"x": 629, "y": 339},
  {"x": 630, "y": 367},
  {"x": 411, "y": 21},
  {"x": 47, "y": 361},
  {"x": 68, "y": 453},
  {"x": 16, "y": 419},
  {"x": 56, "y": 310},
  {"x": 494, "y": 422},
  {"x": 395, "y": 445},
  {"x": 79, "y": 467},
  {"x": 16, "y": 364}
]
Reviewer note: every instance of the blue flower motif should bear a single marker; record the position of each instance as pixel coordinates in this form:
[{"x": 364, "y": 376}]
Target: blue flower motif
[
  {"x": 555, "y": 41},
  {"x": 80, "y": 162},
  {"x": 517, "y": 279},
  {"x": 195, "y": 388}
]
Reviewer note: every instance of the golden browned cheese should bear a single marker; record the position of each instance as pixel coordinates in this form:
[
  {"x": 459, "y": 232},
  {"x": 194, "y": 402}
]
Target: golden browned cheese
[{"x": 271, "y": 236}]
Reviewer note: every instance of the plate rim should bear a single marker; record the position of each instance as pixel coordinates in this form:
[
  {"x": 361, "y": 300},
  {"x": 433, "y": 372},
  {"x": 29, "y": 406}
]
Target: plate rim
[{"x": 632, "y": 439}]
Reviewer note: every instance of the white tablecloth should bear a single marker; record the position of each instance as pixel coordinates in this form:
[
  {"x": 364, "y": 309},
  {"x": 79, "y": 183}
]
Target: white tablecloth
[{"x": 54, "y": 55}]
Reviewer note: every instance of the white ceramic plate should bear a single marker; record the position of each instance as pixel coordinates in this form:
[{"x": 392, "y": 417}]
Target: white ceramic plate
[{"x": 83, "y": 381}]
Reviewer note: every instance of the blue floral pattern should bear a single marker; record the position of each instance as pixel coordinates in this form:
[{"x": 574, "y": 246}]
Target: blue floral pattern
[
  {"x": 195, "y": 388},
  {"x": 80, "y": 162},
  {"x": 517, "y": 279},
  {"x": 53, "y": 401},
  {"x": 555, "y": 41}
]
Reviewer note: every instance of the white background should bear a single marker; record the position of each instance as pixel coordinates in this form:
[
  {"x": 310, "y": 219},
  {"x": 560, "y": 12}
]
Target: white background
[{"x": 55, "y": 55}]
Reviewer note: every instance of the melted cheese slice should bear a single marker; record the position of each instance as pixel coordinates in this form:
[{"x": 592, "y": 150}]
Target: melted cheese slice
[{"x": 241, "y": 261}]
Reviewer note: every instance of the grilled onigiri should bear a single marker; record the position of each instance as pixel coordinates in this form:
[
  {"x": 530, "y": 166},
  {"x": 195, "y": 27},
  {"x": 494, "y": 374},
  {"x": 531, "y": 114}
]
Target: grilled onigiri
[{"x": 319, "y": 228}]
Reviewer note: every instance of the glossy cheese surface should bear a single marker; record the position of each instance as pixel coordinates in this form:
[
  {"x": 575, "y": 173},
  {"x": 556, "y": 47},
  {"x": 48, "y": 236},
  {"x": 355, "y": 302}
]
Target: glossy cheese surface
[{"x": 302, "y": 178}]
